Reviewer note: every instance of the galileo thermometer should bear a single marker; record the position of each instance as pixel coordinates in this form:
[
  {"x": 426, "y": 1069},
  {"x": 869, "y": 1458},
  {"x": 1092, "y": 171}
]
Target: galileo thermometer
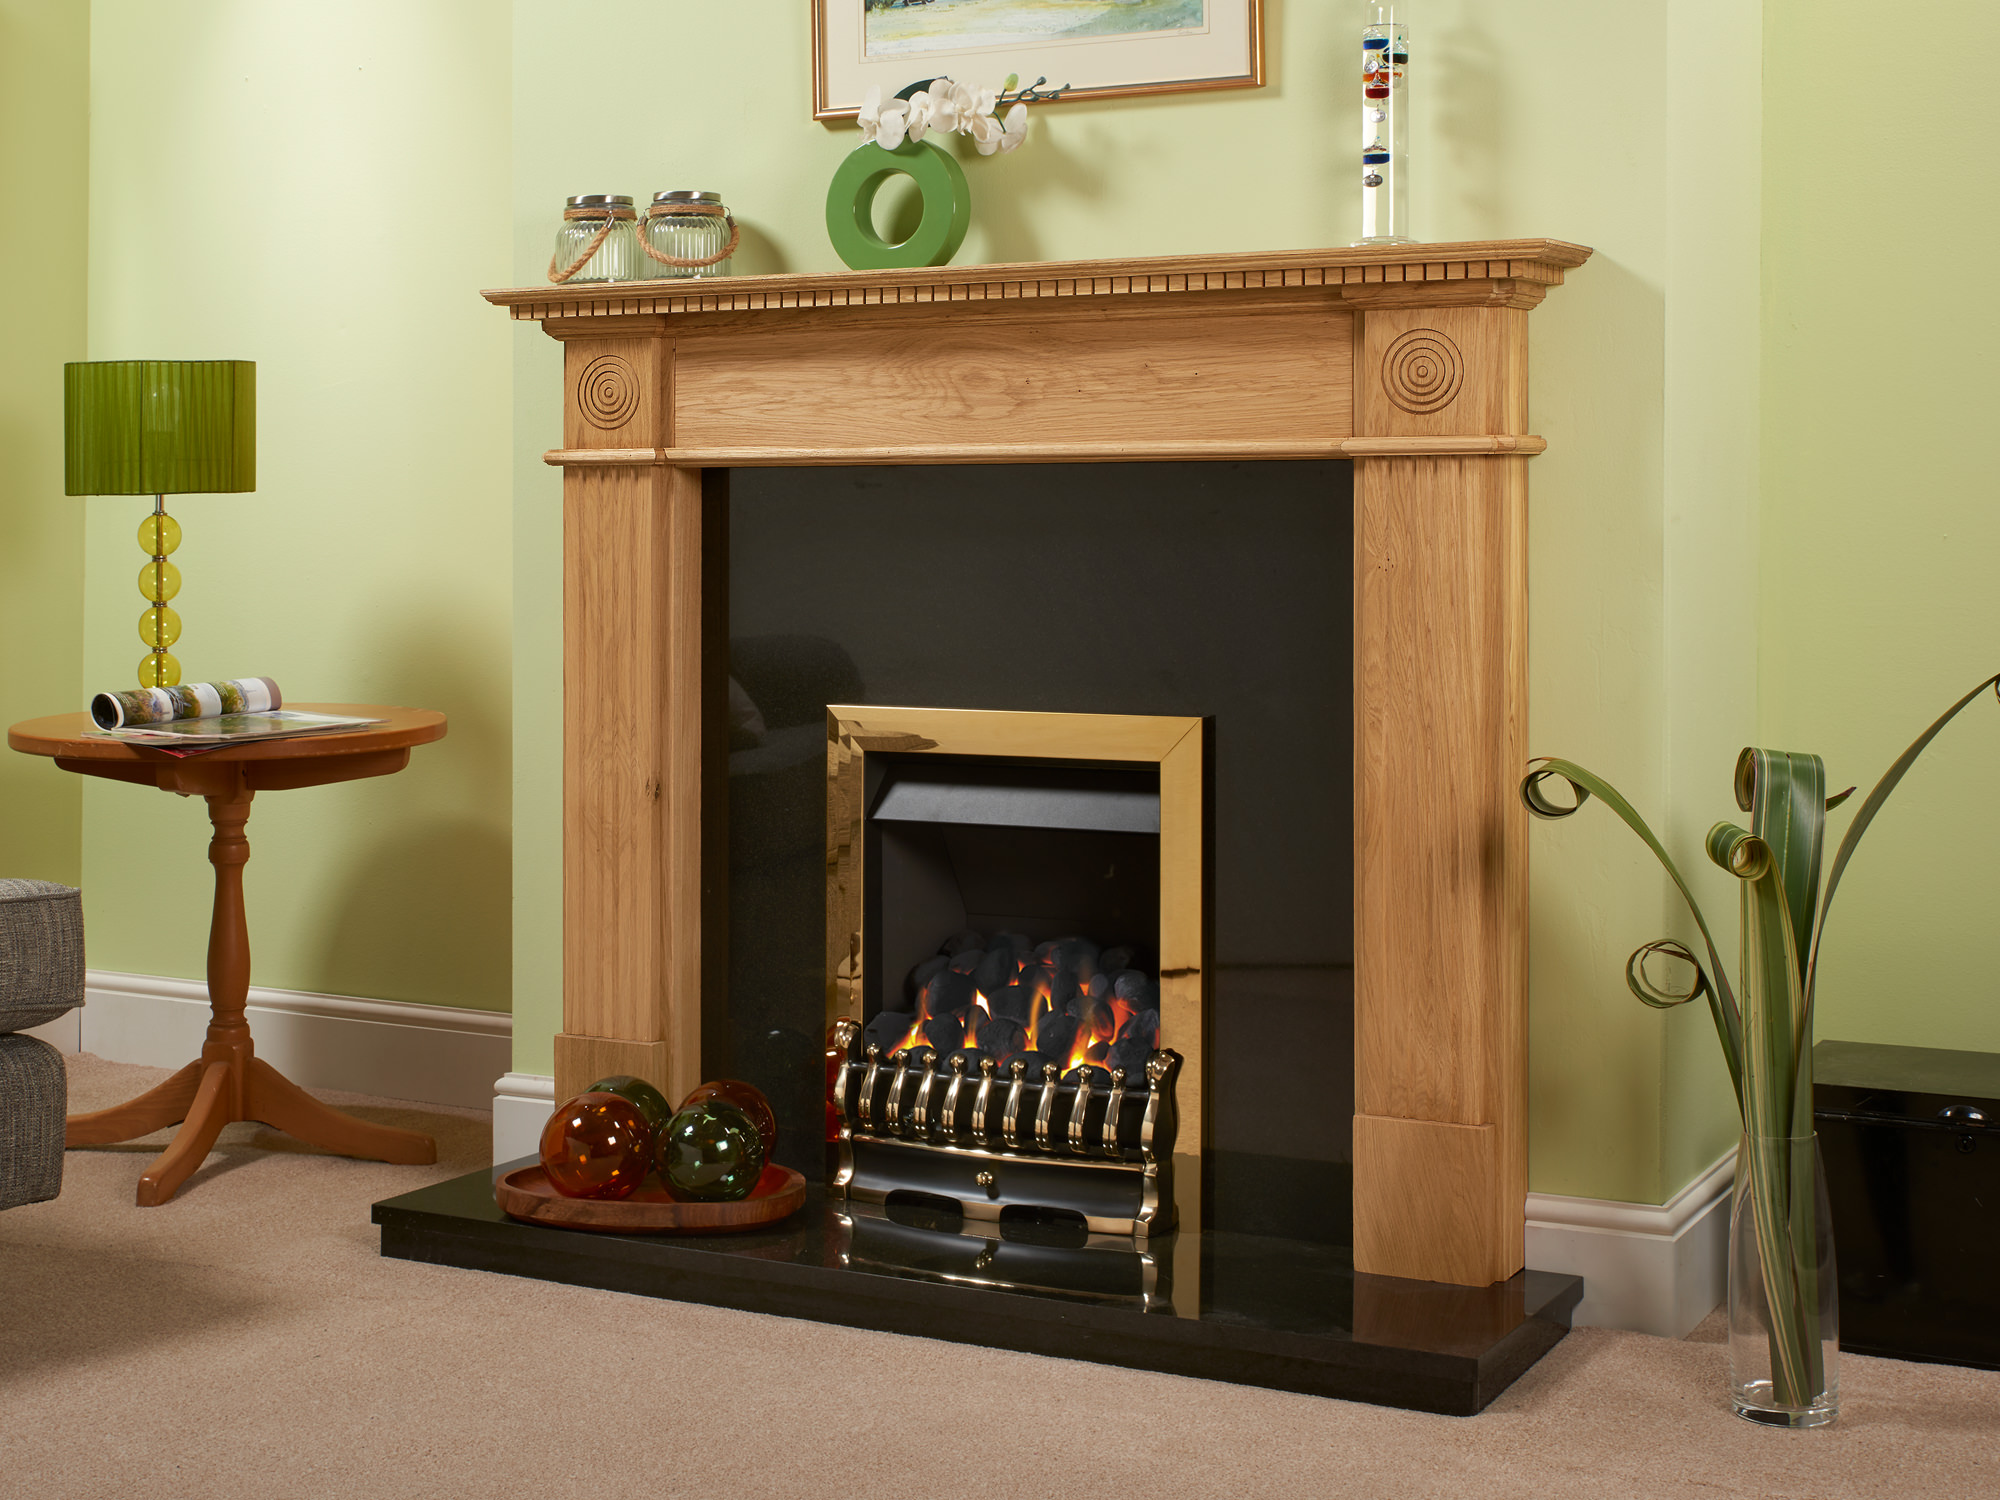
[{"x": 1385, "y": 125}]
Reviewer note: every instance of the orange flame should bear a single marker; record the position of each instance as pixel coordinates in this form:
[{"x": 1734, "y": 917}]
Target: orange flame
[
  {"x": 1096, "y": 1030},
  {"x": 1040, "y": 986},
  {"x": 976, "y": 1012},
  {"x": 916, "y": 1037}
]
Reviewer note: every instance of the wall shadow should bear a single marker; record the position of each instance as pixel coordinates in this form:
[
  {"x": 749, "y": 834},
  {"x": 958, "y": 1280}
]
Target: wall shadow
[{"x": 757, "y": 254}]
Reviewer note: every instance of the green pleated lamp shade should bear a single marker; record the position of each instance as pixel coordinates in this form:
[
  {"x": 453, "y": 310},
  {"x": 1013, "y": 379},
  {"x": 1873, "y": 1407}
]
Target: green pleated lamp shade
[{"x": 160, "y": 427}]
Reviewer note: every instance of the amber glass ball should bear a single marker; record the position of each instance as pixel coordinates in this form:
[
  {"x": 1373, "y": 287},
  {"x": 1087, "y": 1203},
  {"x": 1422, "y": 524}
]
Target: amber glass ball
[
  {"x": 597, "y": 1146},
  {"x": 652, "y": 1103},
  {"x": 711, "y": 1153},
  {"x": 746, "y": 1097}
]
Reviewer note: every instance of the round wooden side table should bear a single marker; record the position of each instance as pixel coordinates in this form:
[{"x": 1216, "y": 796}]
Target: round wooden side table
[{"x": 229, "y": 1082}]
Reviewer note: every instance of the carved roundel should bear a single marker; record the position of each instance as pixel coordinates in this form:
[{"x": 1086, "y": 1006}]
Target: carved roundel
[
  {"x": 607, "y": 393},
  {"x": 1422, "y": 371}
]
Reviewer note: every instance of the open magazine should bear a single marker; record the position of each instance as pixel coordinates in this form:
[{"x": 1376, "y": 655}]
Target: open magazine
[{"x": 201, "y": 716}]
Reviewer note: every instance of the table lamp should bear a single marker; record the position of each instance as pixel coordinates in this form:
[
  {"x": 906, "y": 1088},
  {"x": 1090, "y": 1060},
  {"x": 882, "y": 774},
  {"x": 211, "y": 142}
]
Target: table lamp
[{"x": 160, "y": 427}]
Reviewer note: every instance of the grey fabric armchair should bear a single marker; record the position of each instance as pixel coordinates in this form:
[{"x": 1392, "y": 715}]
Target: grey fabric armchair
[{"x": 41, "y": 977}]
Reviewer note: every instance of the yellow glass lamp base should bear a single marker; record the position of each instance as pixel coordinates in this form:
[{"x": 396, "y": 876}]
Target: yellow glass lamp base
[
  {"x": 159, "y": 669},
  {"x": 159, "y": 581}
]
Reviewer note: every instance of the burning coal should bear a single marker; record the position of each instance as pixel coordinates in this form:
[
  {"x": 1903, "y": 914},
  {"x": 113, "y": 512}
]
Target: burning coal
[{"x": 1067, "y": 1001}]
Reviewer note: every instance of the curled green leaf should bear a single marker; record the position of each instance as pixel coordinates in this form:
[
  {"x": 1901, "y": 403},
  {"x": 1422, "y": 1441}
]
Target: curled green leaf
[
  {"x": 1738, "y": 850},
  {"x": 1537, "y": 800},
  {"x": 1659, "y": 996}
]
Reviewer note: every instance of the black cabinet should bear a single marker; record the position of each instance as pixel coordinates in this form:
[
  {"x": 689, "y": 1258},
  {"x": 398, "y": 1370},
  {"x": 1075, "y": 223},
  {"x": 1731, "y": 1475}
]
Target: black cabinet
[{"x": 1911, "y": 1141}]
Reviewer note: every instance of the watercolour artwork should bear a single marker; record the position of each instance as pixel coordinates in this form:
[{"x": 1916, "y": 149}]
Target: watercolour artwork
[
  {"x": 911, "y": 28},
  {"x": 1086, "y": 49}
]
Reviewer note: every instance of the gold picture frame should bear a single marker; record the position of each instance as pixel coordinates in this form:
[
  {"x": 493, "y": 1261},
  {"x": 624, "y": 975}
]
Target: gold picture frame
[{"x": 1225, "y": 52}]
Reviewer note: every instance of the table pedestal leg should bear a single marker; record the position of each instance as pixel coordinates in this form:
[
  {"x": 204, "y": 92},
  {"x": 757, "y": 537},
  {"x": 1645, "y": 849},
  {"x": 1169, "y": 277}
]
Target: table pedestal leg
[
  {"x": 230, "y": 1082},
  {"x": 279, "y": 1102},
  {"x": 191, "y": 1143},
  {"x": 164, "y": 1105}
]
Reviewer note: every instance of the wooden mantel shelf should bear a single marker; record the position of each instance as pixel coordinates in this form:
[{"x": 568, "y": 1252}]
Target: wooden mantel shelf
[
  {"x": 1510, "y": 272},
  {"x": 1410, "y": 361}
]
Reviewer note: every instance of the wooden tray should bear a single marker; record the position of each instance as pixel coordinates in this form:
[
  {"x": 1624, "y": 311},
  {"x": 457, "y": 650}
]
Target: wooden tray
[{"x": 526, "y": 1193}]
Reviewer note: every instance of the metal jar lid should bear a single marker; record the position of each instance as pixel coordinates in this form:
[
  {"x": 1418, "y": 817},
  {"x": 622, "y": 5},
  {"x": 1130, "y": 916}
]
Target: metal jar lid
[
  {"x": 685, "y": 195},
  {"x": 601, "y": 200}
]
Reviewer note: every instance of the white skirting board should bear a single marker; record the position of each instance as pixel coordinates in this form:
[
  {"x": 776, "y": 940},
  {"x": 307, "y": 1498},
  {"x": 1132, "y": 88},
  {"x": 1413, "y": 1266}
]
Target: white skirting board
[
  {"x": 521, "y": 1106},
  {"x": 1651, "y": 1270},
  {"x": 429, "y": 1054}
]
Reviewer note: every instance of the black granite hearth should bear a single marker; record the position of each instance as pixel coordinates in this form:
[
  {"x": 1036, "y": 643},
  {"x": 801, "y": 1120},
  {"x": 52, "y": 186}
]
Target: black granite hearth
[{"x": 1281, "y": 1313}]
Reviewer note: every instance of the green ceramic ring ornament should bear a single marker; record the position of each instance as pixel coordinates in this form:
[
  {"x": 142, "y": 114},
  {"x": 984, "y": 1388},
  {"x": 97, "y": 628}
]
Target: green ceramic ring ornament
[{"x": 850, "y": 207}]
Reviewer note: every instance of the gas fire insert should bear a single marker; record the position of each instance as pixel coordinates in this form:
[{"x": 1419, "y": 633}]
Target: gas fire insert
[{"x": 1016, "y": 941}]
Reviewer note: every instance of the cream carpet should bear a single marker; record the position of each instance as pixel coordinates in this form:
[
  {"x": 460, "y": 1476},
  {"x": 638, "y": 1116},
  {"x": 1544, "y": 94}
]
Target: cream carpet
[{"x": 247, "y": 1340}]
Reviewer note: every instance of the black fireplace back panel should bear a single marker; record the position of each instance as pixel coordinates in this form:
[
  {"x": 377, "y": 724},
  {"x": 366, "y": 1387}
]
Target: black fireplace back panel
[
  {"x": 1218, "y": 590},
  {"x": 1004, "y": 847}
]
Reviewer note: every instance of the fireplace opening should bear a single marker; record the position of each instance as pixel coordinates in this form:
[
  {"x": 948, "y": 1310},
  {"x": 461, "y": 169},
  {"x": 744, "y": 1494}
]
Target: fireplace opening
[
  {"x": 1215, "y": 591},
  {"x": 1015, "y": 909}
]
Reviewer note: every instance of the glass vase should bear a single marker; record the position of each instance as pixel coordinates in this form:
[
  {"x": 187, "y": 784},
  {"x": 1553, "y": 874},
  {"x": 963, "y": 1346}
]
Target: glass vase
[{"x": 1784, "y": 1293}]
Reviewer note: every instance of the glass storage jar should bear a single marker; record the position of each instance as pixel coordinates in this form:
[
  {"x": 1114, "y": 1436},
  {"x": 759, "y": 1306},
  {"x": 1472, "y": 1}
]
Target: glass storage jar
[
  {"x": 688, "y": 233},
  {"x": 598, "y": 241}
]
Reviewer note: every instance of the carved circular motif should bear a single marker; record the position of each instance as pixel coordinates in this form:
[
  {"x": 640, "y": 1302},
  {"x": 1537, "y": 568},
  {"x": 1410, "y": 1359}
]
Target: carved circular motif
[
  {"x": 607, "y": 393},
  {"x": 1422, "y": 371}
]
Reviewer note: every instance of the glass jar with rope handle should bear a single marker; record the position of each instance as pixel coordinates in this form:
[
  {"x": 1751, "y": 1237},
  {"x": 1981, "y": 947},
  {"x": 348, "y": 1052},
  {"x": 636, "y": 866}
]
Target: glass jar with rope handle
[
  {"x": 597, "y": 241},
  {"x": 688, "y": 233}
]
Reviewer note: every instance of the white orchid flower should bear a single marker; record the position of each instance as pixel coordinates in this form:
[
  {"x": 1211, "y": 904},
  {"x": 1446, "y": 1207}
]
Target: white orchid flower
[
  {"x": 986, "y": 133},
  {"x": 870, "y": 117},
  {"x": 985, "y": 101},
  {"x": 941, "y": 100},
  {"x": 920, "y": 115},
  {"x": 894, "y": 124},
  {"x": 968, "y": 105},
  {"x": 1014, "y": 129}
]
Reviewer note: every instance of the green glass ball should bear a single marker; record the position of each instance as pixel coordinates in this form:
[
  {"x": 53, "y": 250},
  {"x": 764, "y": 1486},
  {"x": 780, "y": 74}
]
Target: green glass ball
[
  {"x": 746, "y": 1097},
  {"x": 651, "y": 1102},
  {"x": 710, "y": 1153}
]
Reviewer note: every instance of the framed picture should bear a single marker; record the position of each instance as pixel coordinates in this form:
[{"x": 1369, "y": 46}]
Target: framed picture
[{"x": 1100, "y": 48}]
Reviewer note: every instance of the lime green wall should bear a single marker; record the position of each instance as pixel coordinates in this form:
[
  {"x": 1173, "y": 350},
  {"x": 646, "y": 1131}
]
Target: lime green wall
[
  {"x": 1588, "y": 122},
  {"x": 1880, "y": 521},
  {"x": 320, "y": 189},
  {"x": 44, "y": 165},
  {"x": 1712, "y": 537}
]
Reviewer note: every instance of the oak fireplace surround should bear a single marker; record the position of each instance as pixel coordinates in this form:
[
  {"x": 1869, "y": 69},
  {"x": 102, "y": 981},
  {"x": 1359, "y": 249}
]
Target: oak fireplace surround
[{"x": 1410, "y": 361}]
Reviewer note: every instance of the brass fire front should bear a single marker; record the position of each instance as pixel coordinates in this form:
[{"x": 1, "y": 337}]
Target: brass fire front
[{"x": 1141, "y": 1139}]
